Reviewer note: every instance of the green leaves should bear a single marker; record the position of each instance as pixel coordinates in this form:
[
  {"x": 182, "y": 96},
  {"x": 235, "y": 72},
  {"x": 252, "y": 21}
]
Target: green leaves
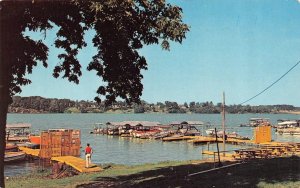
[{"x": 122, "y": 27}]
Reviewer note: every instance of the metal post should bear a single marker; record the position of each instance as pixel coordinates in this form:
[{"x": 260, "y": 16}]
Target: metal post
[
  {"x": 223, "y": 123},
  {"x": 218, "y": 148},
  {"x": 214, "y": 160}
]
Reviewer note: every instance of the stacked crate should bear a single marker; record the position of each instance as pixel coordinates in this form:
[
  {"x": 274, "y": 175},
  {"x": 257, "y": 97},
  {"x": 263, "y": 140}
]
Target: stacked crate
[
  {"x": 60, "y": 142},
  {"x": 262, "y": 134}
]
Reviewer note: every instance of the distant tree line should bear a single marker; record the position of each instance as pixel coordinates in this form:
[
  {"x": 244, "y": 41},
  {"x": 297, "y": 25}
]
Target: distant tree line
[{"x": 36, "y": 104}]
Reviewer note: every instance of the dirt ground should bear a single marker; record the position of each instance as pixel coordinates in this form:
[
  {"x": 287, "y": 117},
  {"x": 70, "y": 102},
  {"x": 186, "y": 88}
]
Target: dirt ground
[{"x": 248, "y": 174}]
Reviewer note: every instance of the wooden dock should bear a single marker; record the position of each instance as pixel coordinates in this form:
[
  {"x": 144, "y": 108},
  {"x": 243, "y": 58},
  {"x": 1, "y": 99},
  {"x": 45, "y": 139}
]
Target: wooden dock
[
  {"x": 77, "y": 163},
  {"x": 202, "y": 140},
  {"x": 206, "y": 139},
  {"x": 206, "y": 152},
  {"x": 29, "y": 151},
  {"x": 178, "y": 138}
]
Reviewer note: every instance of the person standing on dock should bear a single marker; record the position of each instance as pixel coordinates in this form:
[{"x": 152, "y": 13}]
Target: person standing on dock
[{"x": 88, "y": 155}]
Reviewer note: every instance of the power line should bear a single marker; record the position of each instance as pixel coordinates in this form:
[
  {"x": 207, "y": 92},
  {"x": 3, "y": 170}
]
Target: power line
[{"x": 271, "y": 84}]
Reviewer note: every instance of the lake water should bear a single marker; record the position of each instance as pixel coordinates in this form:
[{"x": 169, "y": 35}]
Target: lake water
[{"x": 131, "y": 151}]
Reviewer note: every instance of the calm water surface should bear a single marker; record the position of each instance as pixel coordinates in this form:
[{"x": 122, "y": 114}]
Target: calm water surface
[{"x": 130, "y": 151}]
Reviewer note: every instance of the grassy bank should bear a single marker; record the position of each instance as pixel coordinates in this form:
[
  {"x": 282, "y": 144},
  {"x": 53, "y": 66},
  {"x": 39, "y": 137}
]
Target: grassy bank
[
  {"x": 280, "y": 172},
  {"x": 42, "y": 179}
]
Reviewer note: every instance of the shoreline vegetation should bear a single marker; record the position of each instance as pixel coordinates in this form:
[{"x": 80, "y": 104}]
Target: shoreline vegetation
[
  {"x": 37, "y": 105},
  {"x": 276, "y": 172}
]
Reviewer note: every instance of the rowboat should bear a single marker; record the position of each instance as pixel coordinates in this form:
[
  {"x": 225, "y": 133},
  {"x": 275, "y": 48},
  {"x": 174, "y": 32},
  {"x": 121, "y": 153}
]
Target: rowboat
[{"x": 14, "y": 156}]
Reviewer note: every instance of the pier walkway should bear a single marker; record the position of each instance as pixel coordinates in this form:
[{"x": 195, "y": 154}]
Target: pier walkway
[
  {"x": 29, "y": 151},
  {"x": 205, "y": 139},
  {"x": 178, "y": 138},
  {"x": 77, "y": 163},
  {"x": 206, "y": 152}
]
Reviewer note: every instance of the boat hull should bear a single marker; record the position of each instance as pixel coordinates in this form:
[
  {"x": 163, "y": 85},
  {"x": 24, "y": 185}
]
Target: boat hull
[{"x": 14, "y": 156}]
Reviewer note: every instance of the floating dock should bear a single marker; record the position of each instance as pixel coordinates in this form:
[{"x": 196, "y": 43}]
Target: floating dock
[
  {"x": 206, "y": 139},
  {"x": 178, "y": 138},
  {"x": 202, "y": 140},
  {"x": 29, "y": 151},
  {"x": 206, "y": 152},
  {"x": 77, "y": 163}
]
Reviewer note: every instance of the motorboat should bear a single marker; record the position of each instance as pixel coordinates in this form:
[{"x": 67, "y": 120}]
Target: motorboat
[
  {"x": 288, "y": 127},
  {"x": 14, "y": 156},
  {"x": 289, "y": 131},
  {"x": 11, "y": 148}
]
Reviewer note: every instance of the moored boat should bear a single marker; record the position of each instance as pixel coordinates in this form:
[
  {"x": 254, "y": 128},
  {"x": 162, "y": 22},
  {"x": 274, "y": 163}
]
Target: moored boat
[
  {"x": 287, "y": 124},
  {"x": 210, "y": 132},
  {"x": 11, "y": 148},
  {"x": 288, "y": 127},
  {"x": 14, "y": 156},
  {"x": 289, "y": 131},
  {"x": 18, "y": 132},
  {"x": 254, "y": 122},
  {"x": 35, "y": 139}
]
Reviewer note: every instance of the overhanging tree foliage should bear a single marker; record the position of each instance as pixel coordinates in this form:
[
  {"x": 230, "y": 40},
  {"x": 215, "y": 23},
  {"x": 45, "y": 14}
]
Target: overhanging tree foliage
[{"x": 122, "y": 27}]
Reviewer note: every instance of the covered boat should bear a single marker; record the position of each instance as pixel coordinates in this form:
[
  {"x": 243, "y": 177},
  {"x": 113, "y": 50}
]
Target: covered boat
[
  {"x": 254, "y": 122},
  {"x": 18, "y": 132}
]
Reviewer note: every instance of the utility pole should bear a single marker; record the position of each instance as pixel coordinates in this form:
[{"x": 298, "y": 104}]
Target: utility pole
[
  {"x": 223, "y": 123},
  {"x": 219, "y": 160}
]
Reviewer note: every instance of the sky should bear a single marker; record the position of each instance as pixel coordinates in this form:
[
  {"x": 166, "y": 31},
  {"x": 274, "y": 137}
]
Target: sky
[{"x": 236, "y": 47}]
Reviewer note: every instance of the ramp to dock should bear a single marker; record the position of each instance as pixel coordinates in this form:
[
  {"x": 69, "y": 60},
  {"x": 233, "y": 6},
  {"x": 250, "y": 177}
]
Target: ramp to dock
[
  {"x": 29, "y": 151},
  {"x": 77, "y": 163}
]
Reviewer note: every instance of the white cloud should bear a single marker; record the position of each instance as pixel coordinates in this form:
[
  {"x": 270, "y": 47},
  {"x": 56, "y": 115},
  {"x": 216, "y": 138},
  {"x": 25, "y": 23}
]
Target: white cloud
[{"x": 298, "y": 1}]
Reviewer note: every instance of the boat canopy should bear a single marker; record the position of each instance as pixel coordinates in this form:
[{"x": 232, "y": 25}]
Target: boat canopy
[
  {"x": 134, "y": 123},
  {"x": 187, "y": 123},
  {"x": 254, "y": 119},
  {"x": 287, "y": 123},
  {"x": 18, "y": 126}
]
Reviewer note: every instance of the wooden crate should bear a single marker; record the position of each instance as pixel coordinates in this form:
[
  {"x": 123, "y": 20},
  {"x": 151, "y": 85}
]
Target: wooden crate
[
  {"x": 262, "y": 134},
  {"x": 60, "y": 142}
]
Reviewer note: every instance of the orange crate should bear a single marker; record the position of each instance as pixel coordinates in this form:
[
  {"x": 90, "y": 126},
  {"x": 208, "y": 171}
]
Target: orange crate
[{"x": 60, "y": 142}]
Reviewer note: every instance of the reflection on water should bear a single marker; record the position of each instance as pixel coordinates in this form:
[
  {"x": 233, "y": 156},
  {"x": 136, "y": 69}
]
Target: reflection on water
[
  {"x": 130, "y": 151},
  {"x": 24, "y": 167}
]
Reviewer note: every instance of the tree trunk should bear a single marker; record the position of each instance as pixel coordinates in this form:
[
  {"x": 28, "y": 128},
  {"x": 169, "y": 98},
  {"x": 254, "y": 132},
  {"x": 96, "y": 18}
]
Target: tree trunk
[
  {"x": 5, "y": 78},
  {"x": 3, "y": 116},
  {"x": 4, "y": 101}
]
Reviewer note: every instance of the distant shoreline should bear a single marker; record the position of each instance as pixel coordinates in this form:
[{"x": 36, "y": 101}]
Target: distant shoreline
[
  {"x": 118, "y": 112},
  {"x": 37, "y": 105},
  {"x": 289, "y": 112}
]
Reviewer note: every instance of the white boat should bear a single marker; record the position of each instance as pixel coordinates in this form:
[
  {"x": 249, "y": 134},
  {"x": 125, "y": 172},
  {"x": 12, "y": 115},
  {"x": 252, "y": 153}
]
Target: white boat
[
  {"x": 210, "y": 131},
  {"x": 288, "y": 127},
  {"x": 18, "y": 132},
  {"x": 14, "y": 156},
  {"x": 288, "y": 124}
]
